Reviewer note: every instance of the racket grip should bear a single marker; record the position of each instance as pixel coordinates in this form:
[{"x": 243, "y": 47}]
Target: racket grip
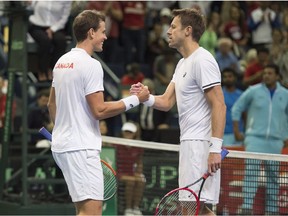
[
  {"x": 224, "y": 153},
  {"x": 46, "y": 133}
]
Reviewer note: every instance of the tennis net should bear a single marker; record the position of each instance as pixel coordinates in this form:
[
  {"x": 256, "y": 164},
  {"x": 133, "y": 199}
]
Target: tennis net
[{"x": 252, "y": 183}]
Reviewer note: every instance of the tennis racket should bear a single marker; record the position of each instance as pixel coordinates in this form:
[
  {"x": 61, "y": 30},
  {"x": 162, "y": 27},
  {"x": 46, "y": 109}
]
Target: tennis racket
[
  {"x": 109, "y": 174},
  {"x": 183, "y": 201}
]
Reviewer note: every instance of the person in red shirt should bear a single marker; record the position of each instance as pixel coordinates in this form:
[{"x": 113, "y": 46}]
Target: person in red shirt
[
  {"x": 133, "y": 75},
  {"x": 133, "y": 30},
  {"x": 253, "y": 73}
]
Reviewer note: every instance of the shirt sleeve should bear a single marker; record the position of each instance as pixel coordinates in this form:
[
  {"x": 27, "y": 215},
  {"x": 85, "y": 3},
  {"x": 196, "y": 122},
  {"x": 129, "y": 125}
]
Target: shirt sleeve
[
  {"x": 207, "y": 73},
  {"x": 93, "y": 79}
]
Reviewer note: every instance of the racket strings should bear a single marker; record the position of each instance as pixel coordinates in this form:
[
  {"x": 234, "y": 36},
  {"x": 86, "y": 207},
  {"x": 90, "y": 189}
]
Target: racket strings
[
  {"x": 110, "y": 182},
  {"x": 172, "y": 204}
]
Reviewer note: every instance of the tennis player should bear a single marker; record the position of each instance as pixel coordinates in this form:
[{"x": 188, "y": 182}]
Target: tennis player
[
  {"x": 76, "y": 104},
  {"x": 196, "y": 86}
]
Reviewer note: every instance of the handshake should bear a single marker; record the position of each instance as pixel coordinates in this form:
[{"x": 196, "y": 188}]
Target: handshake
[{"x": 139, "y": 94}]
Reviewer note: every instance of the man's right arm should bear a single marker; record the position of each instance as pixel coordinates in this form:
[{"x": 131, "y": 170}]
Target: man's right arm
[
  {"x": 162, "y": 102},
  {"x": 52, "y": 105}
]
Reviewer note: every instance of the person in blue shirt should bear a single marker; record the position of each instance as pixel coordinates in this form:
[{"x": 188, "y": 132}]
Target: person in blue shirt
[
  {"x": 225, "y": 56},
  {"x": 231, "y": 94},
  {"x": 266, "y": 131}
]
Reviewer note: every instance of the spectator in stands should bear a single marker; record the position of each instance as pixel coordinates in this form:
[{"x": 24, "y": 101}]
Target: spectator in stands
[
  {"x": 231, "y": 94},
  {"x": 282, "y": 62},
  {"x": 266, "y": 131},
  {"x": 225, "y": 56},
  {"x": 3, "y": 100},
  {"x": 209, "y": 38},
  {"x": 130, "y": 170},
  {"x": 38, "y": 115},
  {"x": 133, "y": 74},
  {"x": 47, "y": 28},
  {"x": 156, "y": 43},
  {"x": 114, "y": 15},
  {"x": 276, "y": 47},
  {"x": 152, "y": 120},
  {"x": 133, "y": 31},
  {"x": 163, "y": 69},
  {"x": 237, "y": 30},
  {"x": 261, "y": 22},
  {"x": 3, "y": 57},
  {"x": 165, "y": 20},
  {"x": 254, "y": 71}
]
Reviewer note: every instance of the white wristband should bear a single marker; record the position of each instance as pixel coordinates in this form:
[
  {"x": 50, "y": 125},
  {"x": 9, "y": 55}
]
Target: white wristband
[
  {"x": 130, "y": 102},
  {"x": 150, "y": 102},
  {"x": 215, "y": 145}
]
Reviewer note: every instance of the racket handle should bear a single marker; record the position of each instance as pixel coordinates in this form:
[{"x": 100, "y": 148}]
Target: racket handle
[
  {"x": 224, "y": 153},
  {"x": 46, "y": 133}
]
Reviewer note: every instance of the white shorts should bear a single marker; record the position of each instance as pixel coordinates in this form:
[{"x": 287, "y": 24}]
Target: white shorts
[
  {"x": 83, "y": 174},
  {"x": 193, "y": 163}
]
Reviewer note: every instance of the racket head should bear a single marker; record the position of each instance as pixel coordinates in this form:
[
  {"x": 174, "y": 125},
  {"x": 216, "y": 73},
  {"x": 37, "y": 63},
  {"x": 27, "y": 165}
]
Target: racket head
[
  {"x": 171, "y": 205},
  {"x": 110, "y": 180}
]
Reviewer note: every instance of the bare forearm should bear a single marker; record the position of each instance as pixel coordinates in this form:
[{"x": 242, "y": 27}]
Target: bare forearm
[{"x": 218, "y": 120}]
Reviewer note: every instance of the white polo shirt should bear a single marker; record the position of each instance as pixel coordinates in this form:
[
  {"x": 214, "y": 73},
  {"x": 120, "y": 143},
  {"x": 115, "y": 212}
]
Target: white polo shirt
[
  {"x": 192, "y": 76},
  {"x": 75, "y": 75}
]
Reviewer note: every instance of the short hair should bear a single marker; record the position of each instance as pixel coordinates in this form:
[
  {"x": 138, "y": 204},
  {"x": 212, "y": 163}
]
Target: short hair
[
  {"x": 43, "y": 92},
  {"x": 275, "y": 67},
  {"x": 262, "y": 49},
  {"x": 86, "y": 20},
  {"x": 229, "y": 70},
  {"x": 191, "y": 17}
]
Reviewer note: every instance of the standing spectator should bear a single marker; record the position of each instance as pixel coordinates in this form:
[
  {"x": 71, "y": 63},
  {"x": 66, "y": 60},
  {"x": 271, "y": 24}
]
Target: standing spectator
[
  {"x": 266, "y": 105},
  {"x": 225, "y": 56},
  {"x": 130, "y": 170},
  {"x": 47, "y": 28},
  {"x": 210, "y": 36},
  {"x": 133, "y": 30},
  {"x": 254, "y": 71},
  {"x": 196, "y": 86},
  {"x": 76, "y": 105},
  {"x": 114, "y": 15},
  {"x": 261, "y": 22},
  {"x": 231, "y": 95}
]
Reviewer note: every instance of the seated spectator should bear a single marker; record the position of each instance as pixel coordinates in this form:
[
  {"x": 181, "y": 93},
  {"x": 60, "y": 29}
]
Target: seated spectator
[
  {"x": 254, "y": 71},
  {"x": 210, "y": 36},
  {"x": 47, "y": 28},
  {"x": 38, "y": 115},
  {"x": 156, "y": 43},
  {"x": 130, "y": 170},
  {"x": 237, "y": 30},
  {"x": 163, "y": 69},
  {"x": 151, "y": 120},
  {"x": 133, "y": 74},
  {"x": 225, "y": 56}
]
